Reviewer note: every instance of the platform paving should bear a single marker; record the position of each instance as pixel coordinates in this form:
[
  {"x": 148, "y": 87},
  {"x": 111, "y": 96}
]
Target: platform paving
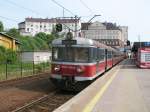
[{"x": 129, "y": 91}]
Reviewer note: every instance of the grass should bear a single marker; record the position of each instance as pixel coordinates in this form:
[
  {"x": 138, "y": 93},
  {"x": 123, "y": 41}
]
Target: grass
[{"x": 17, "y": 70}]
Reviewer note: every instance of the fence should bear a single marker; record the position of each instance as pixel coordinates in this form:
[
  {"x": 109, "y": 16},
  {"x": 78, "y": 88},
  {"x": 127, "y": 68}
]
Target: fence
[{"x": 22, "y": 69}]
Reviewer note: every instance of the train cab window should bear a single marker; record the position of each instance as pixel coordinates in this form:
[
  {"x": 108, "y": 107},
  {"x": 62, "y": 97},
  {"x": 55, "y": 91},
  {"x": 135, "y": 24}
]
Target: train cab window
[
  {"x": 81, "y": 54},
  {"x": 70, "y": 54},
  {"x": 58, "y": 54}
]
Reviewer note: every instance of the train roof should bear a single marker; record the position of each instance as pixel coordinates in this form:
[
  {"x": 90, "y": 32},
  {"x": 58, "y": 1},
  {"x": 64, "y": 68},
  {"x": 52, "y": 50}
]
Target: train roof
[
  {"x": 137, "y": 45},
  {"x": 83, "y": 42}
]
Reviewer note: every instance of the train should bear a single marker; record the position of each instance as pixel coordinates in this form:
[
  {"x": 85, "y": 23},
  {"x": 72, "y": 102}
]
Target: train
[
  {"x": 143, "y": 57},
  {"x": 78, "y": 61},
  {"x": 141, "y": 54}
]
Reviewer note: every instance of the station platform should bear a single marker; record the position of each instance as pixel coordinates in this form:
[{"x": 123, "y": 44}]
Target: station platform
[{"x": 124, "y": 88}]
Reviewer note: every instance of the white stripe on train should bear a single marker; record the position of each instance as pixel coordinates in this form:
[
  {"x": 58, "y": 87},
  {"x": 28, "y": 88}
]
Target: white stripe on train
[{"x": 77, "y": 78}]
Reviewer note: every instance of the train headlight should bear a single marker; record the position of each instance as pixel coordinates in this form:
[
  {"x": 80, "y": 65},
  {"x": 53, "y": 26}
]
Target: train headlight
[
  {"x": 80, "y": 69},
  {"x": 57, "y": 68}
]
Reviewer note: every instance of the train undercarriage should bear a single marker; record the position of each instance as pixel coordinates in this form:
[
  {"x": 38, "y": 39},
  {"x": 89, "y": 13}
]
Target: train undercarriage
[{"x": 69, "y": 84}]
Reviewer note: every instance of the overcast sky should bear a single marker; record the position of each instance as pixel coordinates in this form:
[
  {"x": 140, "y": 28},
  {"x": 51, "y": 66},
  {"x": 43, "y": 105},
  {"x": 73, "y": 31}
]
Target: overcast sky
[{"x": 132, "y": 13}]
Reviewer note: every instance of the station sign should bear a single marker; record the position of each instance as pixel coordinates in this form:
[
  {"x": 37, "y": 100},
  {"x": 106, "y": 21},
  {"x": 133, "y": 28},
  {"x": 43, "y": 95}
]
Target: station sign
[{"x": 69, "y": 42}]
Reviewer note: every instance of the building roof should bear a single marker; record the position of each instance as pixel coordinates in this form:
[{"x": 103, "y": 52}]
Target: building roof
[
  {"x": 16, "y": 40},
  {"x": 109, "y": 26},
  {"x": 84, "y": 26},
  {"x": 22, "y": 22},
  {"x": 52, "y": 20}
]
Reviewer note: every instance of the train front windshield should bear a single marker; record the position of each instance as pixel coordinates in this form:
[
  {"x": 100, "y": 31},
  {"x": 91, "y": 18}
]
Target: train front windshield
[{"x": 70, "y": 54}]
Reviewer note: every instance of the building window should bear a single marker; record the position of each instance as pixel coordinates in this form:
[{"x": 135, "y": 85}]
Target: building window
[{"x": 27, "y": 29}]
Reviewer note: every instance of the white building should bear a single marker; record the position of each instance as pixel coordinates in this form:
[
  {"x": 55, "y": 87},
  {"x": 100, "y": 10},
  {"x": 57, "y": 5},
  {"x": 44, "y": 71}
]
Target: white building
[
  {"x": 32, "y": 26},
  {"x": 124, "y": 33},
  {"x": 106, "y": 33},
  {"x": 36, "y": 56}
]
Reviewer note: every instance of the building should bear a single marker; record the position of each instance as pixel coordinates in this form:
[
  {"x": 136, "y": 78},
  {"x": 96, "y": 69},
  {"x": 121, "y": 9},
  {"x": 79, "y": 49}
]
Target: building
[
  {"x": 32, "y": 26},
  {"x": 36, "y": 56},
  {"x": 107, "y": 33},
  {"x": 9, "y": 42},
  {"x": 124, "y": 33}
]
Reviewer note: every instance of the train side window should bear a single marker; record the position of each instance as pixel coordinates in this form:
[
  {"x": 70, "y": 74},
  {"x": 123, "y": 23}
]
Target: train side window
[
  {"x": 93, "y": 55},
  {"x": 101, "y": 54},
  {"x": 109, "y": 54}
]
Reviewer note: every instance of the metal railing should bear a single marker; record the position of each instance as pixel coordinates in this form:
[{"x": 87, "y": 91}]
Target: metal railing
[{"x": 22, "y": 69}]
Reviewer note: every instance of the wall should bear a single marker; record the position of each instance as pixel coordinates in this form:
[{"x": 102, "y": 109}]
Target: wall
[
  {"x": 8, "y": 43},
  {"x": 37, "y": 57}
]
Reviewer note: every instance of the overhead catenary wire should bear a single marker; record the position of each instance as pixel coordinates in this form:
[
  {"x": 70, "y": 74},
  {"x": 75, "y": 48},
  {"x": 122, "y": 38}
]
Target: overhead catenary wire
[
  {"x": 85, "y": 5},
  {"x": 6, "y": 18},
  {"x": 63, "y": 7},
  {"x": 20, "y": 6}
]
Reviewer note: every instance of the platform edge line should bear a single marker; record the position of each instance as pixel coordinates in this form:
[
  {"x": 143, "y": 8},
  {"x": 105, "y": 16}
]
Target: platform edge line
[{"x": 89, "y": 107}]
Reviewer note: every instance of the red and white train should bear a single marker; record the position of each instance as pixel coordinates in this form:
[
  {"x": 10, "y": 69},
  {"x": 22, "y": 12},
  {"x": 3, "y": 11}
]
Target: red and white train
[
  {"x": 78, "y": 61},
  {"x": 143, "y": 57}
]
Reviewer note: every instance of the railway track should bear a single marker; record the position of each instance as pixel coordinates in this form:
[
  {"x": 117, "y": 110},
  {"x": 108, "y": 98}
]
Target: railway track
[
  {"x": 23, "y": 80},
  {"x": 47, "y": 103}
]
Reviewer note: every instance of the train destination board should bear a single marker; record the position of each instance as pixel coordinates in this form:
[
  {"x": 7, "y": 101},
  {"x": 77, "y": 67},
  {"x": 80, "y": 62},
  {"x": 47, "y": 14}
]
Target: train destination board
[{"x": 69, "y": 42}]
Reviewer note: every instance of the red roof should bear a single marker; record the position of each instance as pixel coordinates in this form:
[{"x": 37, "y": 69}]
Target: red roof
[{"x": 53, "y": 20}]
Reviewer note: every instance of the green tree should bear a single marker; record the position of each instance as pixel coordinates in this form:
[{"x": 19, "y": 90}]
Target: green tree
[
  {"x": 1, "y": 27},
  {"x": 50, "y": 38},
  {"x": 7, "y": 54},
  {"x": 25, "y": 43},
  {"x": 41, "y": 44},
  {"x": 42, "y": 35},
  {"x": 11, "y": 56},
  {"x": 13, "y": 32},
  {"x": 2, "y": 54}
]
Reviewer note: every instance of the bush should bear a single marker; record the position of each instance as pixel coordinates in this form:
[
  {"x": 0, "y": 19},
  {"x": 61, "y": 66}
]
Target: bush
[{"x": 7, "y": 55}]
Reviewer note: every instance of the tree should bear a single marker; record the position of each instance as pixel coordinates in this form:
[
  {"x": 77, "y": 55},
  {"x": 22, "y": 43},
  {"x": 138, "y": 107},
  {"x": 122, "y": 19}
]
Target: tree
[
  {"x": 2, "y": 54},
  {"x": 1, "y": 27},
  {"x": 13, "y": 32},
  {"x": 42, "y": 35},
  {"x": 50, "y": 38}
]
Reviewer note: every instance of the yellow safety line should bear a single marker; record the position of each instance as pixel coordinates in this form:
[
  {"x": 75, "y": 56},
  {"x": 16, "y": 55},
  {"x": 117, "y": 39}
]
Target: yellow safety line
[{"x": 89, "y": 107}]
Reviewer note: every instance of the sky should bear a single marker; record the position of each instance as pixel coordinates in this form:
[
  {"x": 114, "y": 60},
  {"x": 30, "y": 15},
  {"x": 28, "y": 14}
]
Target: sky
[{"x": 132, "y": 13}]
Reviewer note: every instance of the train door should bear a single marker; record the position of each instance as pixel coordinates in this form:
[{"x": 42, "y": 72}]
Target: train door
[
  {"x": 97, "y": 59},
  {"x": 105, "y": 59},
  {"x": 112, "y": 58}
]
